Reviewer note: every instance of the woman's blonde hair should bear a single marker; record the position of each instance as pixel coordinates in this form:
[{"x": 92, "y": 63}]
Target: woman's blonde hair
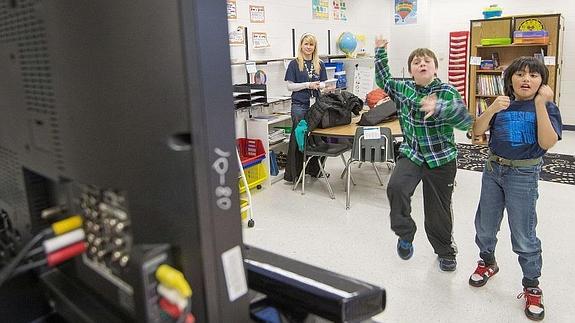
[{"x": 307, "y": 37}]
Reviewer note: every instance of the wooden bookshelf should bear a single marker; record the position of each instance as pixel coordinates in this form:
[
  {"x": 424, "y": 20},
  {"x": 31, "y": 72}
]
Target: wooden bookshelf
[{"x": 504, "y": 27}]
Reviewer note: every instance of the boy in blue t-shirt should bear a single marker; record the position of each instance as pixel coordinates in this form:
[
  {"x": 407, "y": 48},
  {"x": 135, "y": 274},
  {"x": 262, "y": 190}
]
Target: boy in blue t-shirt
[{"x": 523, "y": 125}]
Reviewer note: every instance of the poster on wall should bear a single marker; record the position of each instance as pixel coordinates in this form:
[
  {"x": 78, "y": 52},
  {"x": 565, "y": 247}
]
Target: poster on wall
[
  {"x": 232, "y": 9},
  {"x": 405, "y": 12},
  {"x": 257, "y": 14},
  {"x": 237, "y": 36},
  {"x": 260, "y": 40},
  {"x": 338, "y": 10},
  {"x": 363, "y": 78},
  {"x": 320, "y": 9}
]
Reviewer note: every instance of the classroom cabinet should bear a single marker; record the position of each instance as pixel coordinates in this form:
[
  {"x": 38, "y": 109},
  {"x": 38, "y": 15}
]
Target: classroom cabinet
[{"x": 497, "y": 42}]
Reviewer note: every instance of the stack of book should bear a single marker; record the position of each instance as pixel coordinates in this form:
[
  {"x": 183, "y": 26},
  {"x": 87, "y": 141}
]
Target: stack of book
[
  {"x": 276, "y": 136},
  {"x": 531, "y": 37}
]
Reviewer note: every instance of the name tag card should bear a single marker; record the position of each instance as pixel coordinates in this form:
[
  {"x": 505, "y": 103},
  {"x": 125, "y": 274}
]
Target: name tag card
[{"x": 371, "y": 133}]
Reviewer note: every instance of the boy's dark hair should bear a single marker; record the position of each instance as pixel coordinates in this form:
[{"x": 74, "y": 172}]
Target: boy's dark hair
[
  {"x": 421, "y": 52},
  {"x": 519, "y": 64}
]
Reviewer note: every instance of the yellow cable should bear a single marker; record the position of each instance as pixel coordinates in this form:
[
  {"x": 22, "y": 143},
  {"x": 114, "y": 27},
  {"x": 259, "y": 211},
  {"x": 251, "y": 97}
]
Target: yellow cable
[
  {"x": 173, "y": 278},
  {"x": 69, "y": 224}
]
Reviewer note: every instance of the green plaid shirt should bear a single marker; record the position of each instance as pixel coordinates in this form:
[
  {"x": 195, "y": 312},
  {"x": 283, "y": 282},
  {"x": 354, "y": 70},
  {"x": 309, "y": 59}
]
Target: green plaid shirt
[{"x": 428, "y": 141}]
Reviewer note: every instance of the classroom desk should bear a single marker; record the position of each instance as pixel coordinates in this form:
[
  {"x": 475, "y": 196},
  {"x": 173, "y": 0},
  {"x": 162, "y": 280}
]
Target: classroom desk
[{"x": 348, "y": 130}]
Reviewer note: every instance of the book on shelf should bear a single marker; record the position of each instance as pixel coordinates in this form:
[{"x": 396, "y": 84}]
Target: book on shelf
[
  {"x": 489, "y": 85},
  {"x": 540, "y": 56},
  {"x": 481, "y": 106},
  {"x": 495, "y": 59}
]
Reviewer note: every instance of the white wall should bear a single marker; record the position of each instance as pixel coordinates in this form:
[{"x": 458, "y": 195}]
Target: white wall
[
  {"x": 405, "y": 38},
  {"x": 436, "y": 18},
  {"x": 368, "y": 17}
]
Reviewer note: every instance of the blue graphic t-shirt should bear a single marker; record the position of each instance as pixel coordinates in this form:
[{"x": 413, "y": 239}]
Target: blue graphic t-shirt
[
  {"x": 513, "y": 132},
  {"x": 307, "y": 75}
]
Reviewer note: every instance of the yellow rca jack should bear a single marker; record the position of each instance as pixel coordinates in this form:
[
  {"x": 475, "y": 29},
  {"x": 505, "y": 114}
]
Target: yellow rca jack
[
  {"x": 173, "y": 278},
  {"x": 66, "y": 225}
]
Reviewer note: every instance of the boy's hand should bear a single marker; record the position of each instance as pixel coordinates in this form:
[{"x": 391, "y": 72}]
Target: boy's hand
[
  {"x": 380, "y": 42},
  {"x": 428, "y": 105},
  {"x": 545, "y": 94},
  {"x": 500, "y": 103}
]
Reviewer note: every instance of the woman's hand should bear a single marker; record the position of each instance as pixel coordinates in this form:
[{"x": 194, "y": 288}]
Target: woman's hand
[
  {"x": 380, "y": 42},
  {"x": 314, "y": 85}
]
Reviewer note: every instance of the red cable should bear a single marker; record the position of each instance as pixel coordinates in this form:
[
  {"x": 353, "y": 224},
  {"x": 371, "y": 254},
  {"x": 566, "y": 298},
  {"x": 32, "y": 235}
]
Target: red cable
[
  {"x": 190, "y": 318},
  {"x": 171, "y": 309},
  {"x": 64, "y": 254}
]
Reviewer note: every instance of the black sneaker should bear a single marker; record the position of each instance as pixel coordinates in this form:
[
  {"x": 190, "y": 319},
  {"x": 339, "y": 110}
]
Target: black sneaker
[
  {"x": 446, "y": 264},
  {"x": 404, "y": 249}
]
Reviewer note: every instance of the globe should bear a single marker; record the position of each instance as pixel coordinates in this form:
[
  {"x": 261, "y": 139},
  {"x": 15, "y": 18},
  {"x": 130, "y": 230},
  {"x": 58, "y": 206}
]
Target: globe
[{"x": 347, "y": 43}]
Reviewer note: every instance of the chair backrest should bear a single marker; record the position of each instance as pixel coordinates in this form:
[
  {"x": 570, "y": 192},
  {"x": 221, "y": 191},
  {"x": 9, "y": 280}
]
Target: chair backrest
[
  {"x": 311, "y": 142},
  {"x": 373, "y": 150}
]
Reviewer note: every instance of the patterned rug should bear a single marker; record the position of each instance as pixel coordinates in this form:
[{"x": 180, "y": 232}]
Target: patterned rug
[{"x": 557, "y": 168}]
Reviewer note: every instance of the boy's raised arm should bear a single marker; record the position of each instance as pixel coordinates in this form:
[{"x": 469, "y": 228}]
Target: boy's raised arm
[{"x": 383, "y": 77}]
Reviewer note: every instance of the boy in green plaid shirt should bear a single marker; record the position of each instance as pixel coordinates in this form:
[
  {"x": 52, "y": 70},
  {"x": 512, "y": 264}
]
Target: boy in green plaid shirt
[{"x": 428, "y": 112}]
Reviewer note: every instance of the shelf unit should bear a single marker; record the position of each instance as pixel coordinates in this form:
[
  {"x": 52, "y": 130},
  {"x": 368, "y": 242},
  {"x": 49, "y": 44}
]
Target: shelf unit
[
  {"x": 503, "y": 28},
  {"x": 249, "y": 95},
  {"x": 259, "y": 128}
]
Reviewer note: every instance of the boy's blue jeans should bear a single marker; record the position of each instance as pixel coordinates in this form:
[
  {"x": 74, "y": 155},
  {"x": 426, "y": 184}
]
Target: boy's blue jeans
[{"x": 514, "y": 189}]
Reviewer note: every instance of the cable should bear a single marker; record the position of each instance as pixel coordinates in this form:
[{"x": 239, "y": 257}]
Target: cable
[
  {"x": 69, "y": 224},
  {"x": 29, "y": 266},
  {"x": 64, "y": 254},
  {"x": 173, "y": 278},
  {"x": 56, "y": 228},
  {"x": 172, "y": 296},
  {"x": 184, "y": 314},
  {"x": 6, "y": 272},
  {"x": 61, "y": 241},
  {"x": 35, "y": 252},
  {"x": 53, "y": 258}
]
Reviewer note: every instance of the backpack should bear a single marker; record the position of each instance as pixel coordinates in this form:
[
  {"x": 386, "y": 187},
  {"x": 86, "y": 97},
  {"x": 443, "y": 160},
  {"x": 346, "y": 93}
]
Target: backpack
[
  {"x": 384, "y": 112},
  {"x": 332, "y": 118}
]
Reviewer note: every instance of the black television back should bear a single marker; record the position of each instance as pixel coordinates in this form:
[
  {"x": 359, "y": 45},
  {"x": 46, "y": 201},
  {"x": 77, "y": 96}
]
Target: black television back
[{"x": 121, "y": 111}]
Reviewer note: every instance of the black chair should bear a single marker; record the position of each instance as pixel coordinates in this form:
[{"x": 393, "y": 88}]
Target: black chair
[
  {"x": 365, "y": 149},
  {"x": 316, "y": 147}
]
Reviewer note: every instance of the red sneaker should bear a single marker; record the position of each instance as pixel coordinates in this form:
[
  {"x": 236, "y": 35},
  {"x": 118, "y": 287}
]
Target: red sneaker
[
  {"x": 534, "y": 308},
  {"x": 482, "y": 274}
]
